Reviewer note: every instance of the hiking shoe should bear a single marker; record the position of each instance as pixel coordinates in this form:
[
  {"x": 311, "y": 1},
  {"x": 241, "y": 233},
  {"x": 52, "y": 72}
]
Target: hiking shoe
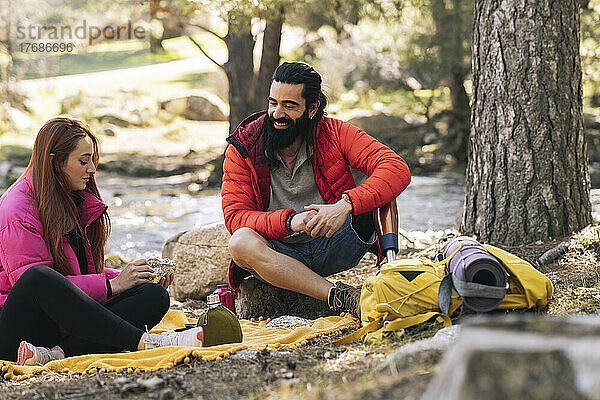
[
  {"x": 29, "y": 354},
  {"x": 189, "y": 338},
  {"x": 343, "y": 297}
]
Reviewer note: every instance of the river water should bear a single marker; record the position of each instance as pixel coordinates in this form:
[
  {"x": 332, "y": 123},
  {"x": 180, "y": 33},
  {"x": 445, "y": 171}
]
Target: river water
[
  {"x": 142, "y": 219},
  {"x": 145, "y": 216},
  {"x": 146, "y": 212}
]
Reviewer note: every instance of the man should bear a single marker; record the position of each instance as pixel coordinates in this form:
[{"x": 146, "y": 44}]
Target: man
[{"x": 289, "y": 199}]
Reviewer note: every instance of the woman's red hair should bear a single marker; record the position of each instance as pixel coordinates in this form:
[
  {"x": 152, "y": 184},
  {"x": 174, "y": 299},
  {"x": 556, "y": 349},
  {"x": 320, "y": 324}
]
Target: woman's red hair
[{"x": 52, "y": 192}]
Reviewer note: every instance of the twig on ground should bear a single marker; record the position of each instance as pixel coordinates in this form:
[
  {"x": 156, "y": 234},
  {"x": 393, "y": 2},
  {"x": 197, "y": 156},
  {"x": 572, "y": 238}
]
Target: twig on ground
[
  {"x": 553, "y": 253},
  {"x": 404, "y": 234},
  {"x": 82, "y": 394}
]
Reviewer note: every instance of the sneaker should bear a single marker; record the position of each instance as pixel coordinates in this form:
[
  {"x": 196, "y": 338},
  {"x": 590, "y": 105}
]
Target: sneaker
[
  {"x": 29, "y": 354},
  {"x": 343, "y": 297},
  {"x": 189, "y": 338}
]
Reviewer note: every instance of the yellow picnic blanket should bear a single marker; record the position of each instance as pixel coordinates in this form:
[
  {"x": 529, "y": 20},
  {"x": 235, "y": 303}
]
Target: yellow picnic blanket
[{"x": 256, "y": 337}]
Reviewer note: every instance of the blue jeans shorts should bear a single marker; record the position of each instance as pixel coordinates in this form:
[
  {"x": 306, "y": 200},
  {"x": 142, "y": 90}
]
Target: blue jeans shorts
[{"x": 326, "y": 256}]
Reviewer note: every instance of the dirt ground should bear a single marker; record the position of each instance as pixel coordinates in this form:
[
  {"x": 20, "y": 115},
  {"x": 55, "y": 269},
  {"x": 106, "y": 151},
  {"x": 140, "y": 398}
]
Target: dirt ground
[{"x": 319, "y": 370}]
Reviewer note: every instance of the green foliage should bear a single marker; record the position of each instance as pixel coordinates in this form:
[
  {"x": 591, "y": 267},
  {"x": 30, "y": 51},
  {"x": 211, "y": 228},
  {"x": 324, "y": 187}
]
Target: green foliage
[
  {"x": 400, "y": 59},
  {"x": 313, "y": 14},
  {"x": 590, "y": 53},
  {"x": 109, "y": 59}
]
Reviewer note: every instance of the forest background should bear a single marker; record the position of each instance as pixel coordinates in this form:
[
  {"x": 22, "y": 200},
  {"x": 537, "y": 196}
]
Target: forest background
[{"x": 408, "y": 58}]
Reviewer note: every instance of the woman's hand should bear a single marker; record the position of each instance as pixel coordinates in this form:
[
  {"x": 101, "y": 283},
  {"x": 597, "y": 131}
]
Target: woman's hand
[
  {"x": 167, "y": 280},
  {"x": 133, "y": 274}
]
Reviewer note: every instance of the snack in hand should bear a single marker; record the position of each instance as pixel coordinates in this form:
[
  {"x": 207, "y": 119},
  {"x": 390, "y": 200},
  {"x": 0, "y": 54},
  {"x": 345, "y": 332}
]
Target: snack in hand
[{"x": 162, "y": 267}]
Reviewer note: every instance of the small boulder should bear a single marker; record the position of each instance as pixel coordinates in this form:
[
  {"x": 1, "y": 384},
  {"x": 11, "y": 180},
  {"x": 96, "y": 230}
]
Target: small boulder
[
  {"x": 390, "y": 129},
  {"x": 109, "y": 129},
  {"x": 123, "y": 108},
  {"x": 70, "y": 103},
  {"x": 197, "y": 107},
  {"x": 591, "y": 121},
  {"x": 112, "y": 117},
  {"x": 14, "y": 118},
  {"x": 592, "y": 138},
  {"x": 202, "y": 258}
]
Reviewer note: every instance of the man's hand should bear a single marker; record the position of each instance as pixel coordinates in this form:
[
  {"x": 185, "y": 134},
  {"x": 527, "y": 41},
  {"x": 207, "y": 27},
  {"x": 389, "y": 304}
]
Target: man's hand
[
  {"x": 300, "y": 220},
  {"x": 329, "y": 218}
]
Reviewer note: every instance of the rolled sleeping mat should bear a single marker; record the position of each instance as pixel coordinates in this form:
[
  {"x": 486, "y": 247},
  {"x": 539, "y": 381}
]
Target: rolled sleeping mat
[{"x": 478, "y": 277}]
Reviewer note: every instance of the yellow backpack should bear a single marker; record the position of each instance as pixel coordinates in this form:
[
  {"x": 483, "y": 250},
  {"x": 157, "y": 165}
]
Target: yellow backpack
[{"x": 404, "y": 293}]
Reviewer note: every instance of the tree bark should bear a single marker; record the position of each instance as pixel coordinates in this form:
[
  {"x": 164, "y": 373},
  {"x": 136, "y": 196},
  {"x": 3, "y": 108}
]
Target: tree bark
[
  {"x": 248, "y": 90},
  {"x": 458, "y": 129},
  {"x": 527, "y": 175},
  {"x": 258, "y": 299},
  {"x": 269, "y": 60},
  {"x": 450, "y": 20},
  {"x": 239, "y": 68}
]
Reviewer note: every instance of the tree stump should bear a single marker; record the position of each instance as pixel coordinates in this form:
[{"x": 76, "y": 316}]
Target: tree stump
[{"x": 259, "y": 299}]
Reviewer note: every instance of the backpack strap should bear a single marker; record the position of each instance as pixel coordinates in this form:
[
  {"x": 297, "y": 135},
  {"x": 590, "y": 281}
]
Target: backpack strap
[
  {"x": 391, "y": 320},
  {"x": 445, "y": 260},
  {"x": 370, "y": 327},
  {"x": 466, "y": 289},
  {"x": 393, "y": 325},
  {"x": 445, "y": 294},
  {"x": 402, "y": 323},
  {"x": 445, "y": 288}
]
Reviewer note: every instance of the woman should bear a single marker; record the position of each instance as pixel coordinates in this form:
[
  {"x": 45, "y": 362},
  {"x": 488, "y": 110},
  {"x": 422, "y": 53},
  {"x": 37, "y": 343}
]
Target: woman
[{"x": 57, "y": 299}]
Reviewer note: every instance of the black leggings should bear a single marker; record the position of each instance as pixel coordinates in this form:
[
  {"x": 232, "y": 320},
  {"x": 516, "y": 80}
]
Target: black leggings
[{"x": 46, "y": 309}]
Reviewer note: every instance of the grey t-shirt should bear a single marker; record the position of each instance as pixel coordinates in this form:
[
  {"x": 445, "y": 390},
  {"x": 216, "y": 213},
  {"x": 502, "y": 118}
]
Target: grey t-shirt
[{"x": 294, "y": 189}]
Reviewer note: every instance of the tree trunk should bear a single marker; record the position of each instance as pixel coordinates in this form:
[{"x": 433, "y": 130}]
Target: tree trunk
[
  {"x": 527, "y": 176},
  {"x": 268, "y": 61},
  {"x": 450, "y": 19},
  {"x": 258, "y": 299},
  {"x": 239, "y": 69},
  {"x": 156, "y": 46},
  {"x": 247, "y": 91},
  {"x": 458, "y": 129}
]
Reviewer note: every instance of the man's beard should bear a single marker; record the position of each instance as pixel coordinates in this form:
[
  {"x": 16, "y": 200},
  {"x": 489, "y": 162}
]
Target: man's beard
[{"x": 277, "y": 139}]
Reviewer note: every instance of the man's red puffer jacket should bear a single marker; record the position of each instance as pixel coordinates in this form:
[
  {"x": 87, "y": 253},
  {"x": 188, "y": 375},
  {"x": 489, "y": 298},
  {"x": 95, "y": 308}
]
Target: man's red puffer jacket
[{"x": 338, "y": 146}]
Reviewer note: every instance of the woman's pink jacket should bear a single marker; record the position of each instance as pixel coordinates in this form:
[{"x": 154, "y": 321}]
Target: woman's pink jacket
[{"x": 22, "y": 244}]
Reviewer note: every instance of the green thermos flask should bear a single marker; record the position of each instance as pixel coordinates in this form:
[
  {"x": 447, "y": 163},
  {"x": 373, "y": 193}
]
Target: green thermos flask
[{"x": 219, "y": 324}]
